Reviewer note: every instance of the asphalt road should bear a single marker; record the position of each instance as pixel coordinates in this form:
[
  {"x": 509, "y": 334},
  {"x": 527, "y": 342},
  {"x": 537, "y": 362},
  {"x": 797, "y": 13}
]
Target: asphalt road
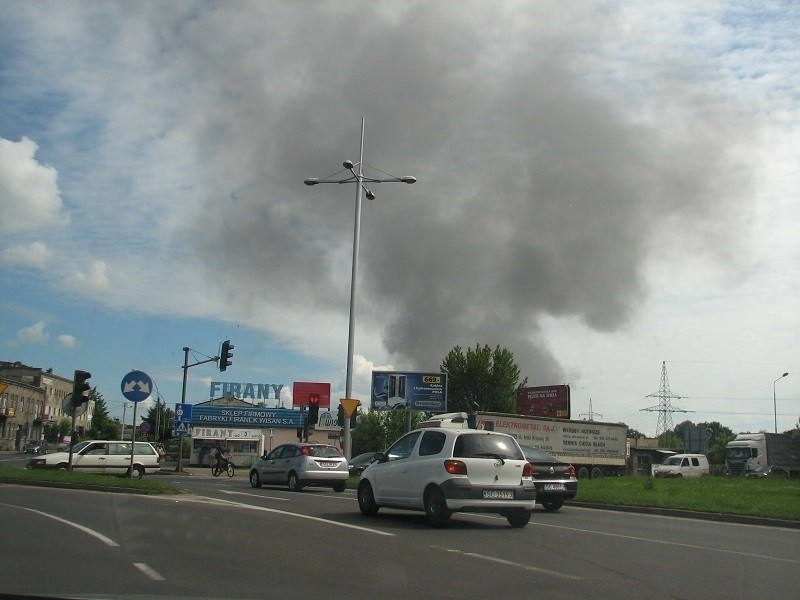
[{"x": 232, "y": 541}]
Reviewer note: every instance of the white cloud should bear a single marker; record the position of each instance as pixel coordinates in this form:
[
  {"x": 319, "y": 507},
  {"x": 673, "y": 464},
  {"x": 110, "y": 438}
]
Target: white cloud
[
  {"x": 95, "y": 280},
  {"x": 35, "y": 255},
  {"x": 29, "y": 196},
  {"x": 67, "y": 341},
  {"x": 35, "y": 334}
]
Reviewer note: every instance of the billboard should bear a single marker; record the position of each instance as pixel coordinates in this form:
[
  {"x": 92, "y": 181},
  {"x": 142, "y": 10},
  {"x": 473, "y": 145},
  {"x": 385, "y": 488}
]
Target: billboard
[
  {"x": 303, "y": 390},
  {"x": 544, "y": 401},
  {"x": 403, "y": 390}
]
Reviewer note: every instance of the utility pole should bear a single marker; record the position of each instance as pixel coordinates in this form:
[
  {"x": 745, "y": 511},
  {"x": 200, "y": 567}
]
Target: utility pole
[
  {"x": 664, "y": 408},
  {"x": 590, "y": 414}
]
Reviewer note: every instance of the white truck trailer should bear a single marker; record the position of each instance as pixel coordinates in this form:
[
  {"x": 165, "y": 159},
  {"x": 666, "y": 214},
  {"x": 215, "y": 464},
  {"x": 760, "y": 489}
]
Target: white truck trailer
[{"x": 595, "y": 449}]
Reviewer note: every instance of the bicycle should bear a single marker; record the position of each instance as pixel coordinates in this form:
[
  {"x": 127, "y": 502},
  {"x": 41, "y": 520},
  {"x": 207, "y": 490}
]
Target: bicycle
[{"x": 223, "y": 466}]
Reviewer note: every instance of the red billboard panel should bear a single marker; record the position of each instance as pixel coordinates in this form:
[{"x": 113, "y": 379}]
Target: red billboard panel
[
  {"x": 544, "y": 401},
  {"x": 303, "y": 390}
]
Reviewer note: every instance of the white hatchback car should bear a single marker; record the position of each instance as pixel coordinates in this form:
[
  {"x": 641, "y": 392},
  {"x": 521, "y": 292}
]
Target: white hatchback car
[
  {"x": 442, "y": 471},
  {"x": 103, "y": 456}
]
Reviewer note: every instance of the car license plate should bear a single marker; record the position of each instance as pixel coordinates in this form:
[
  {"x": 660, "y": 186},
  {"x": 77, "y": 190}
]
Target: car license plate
[
  {"x": 554, "y": 487},
  {"x": 498, "y": 494},
  {"x": 326, "y": 464}
]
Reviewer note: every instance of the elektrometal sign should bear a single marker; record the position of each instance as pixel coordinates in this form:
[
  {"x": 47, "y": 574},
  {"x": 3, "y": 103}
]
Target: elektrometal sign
[
  {"x": 403, "y": 390},
  {"x": 225, "y": 416}
]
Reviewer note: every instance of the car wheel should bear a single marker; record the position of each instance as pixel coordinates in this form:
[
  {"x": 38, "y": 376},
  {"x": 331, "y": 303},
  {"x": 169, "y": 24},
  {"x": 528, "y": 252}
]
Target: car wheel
[
  {"x": 519, "y": 518},
  {"x": 138, "y": 472},
  {"x": 583, "y": 473},
  {"x": 436, "y": 510},
  {"x": 552, "y": 505},
  {"x": 295, "y": 485},
  {"x": 340, "y": 486},
  {"x": 366, "y": 499},
  {"x": 597, "y": 473},
  {"x": 255, "y": 480},
  {"x": 63, "y": 467}
]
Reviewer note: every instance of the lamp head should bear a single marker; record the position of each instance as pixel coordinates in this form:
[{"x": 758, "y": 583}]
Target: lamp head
[
  {"x": 408, "y": 179},
  {"x": 348, "y": 164},
  {"x": 311, "y": 181}
]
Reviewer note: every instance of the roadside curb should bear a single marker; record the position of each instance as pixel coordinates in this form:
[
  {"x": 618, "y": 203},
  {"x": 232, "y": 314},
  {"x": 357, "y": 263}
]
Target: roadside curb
[
  {"x": 73, "y": 486},
  {"x": 691, "y": 514}
]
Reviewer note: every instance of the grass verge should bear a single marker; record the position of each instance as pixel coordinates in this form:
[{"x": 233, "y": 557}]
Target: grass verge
[
  {"x": 775, "y": 498},
  {"x": 91, "y": 481}
]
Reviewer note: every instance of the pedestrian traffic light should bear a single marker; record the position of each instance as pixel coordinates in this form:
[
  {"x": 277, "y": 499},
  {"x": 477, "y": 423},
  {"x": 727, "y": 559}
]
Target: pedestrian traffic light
[
  {"x": 340, "y": 416},
  {"x": 80, "y": 388},
  {"x": 225, "y": 356},
  {"x": 313, "y": 409}
]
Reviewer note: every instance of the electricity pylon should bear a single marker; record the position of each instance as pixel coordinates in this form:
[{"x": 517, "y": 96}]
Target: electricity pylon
[{"x": 664, "y": 408}]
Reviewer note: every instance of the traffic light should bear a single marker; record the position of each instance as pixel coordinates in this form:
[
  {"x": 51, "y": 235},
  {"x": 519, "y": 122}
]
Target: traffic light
[
  {"x": 313, "y": 409},
  {"x": 354, "y": 419},
  {"x": 225, "y": 356},
  {"x": 80, "y": 388},
  {"x": 340, "y": 416}
]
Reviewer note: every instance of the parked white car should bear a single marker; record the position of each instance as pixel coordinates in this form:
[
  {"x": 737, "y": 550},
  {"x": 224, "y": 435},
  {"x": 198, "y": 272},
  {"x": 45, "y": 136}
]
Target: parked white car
[
  {"x": 103, "y": 456},
  {"x": 443, "y": 471},
  {"x": 683, "y": 465}
]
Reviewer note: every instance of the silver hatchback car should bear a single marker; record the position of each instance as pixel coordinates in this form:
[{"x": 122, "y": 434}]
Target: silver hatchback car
[{"x": 300, "y": 464}]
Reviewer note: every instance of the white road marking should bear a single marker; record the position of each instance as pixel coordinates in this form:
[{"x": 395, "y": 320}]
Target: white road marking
[
  {"x": 509, "y": 563},
  {"x": 299, "y": 516},
  {"x": 254, "y": 495},
  {"x": 667, "y": 543},
  {"x": 149, "y": 571},
  {"x": 107, "y": 541}
]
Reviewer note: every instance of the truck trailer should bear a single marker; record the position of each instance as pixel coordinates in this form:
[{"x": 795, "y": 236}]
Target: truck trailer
[
  {"x": 762, "y": 454},
  {"x": 595, "y": 449}
]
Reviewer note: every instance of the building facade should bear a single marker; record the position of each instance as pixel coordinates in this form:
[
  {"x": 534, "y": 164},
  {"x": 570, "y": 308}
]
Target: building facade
[{"x": 32, "y": 398}]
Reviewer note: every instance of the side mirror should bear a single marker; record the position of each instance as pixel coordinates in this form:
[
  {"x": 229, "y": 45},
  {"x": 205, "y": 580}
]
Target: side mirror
[{"x": 380, "y": 457}]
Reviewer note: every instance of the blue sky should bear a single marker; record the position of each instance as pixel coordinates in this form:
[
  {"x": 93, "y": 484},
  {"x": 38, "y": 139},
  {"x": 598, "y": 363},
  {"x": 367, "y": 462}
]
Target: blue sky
[{"x": 601, "y": 187}]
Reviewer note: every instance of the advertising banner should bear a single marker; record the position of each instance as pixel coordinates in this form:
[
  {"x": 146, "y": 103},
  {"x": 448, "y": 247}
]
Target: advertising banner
[
  {"x": 544, "y": 401},
  {"x": 303, "y": 390},
  {"x": 223, "y": 416},
  {"x": 403, "y": 390}
]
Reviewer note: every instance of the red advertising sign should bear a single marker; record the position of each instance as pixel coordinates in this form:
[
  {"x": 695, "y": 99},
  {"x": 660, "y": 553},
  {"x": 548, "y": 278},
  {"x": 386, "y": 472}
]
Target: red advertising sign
[
  {"x": 302, "y": 391},
  {"x": 545, "y": 401}
]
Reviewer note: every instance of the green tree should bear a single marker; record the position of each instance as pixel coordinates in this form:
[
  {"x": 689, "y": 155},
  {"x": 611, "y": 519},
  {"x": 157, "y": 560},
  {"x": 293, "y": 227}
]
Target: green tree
[
  {"x": 379, "y": 429},
  {"x": 718, "y": 438},
  {"x": 102, "y": 427},
  {"x": 159, "y": 417},
  {"x": 634, "y": 433},
  {"x": 482, "y": 379}
]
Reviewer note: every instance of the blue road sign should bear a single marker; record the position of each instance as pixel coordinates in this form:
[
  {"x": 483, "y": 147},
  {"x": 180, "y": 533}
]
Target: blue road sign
[
  {"x": 180, "y": 429},
  {"x": 136, "y": 386},
  {"x": 183, "y": 413}
]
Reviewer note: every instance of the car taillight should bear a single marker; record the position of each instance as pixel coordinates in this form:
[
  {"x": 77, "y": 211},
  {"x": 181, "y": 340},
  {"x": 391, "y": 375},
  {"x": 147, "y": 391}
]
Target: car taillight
[
  {"x": 528, "y": 470},
  {"x": 570, "y": 470},
  {"x": 455, "y": 467}
]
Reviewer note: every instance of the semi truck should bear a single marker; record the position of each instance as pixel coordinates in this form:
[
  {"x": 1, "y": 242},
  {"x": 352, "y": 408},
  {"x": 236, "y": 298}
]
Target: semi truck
[
  {"x": 595, "y": 449},
  {"x": 762, "y": 454}
]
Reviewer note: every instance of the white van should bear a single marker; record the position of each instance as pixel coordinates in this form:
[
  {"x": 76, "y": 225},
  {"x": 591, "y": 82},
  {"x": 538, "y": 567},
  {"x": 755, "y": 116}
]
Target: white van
[{"x": 683, "y": 465}]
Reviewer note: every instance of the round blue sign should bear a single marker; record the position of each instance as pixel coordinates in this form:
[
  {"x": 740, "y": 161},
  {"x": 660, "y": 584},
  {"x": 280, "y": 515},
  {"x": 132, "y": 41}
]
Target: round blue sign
[{"x": 136, "y": 386}]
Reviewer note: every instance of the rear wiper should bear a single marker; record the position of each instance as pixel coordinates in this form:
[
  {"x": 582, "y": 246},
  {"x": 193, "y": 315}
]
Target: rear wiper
[{"x": 493, "y": 455}]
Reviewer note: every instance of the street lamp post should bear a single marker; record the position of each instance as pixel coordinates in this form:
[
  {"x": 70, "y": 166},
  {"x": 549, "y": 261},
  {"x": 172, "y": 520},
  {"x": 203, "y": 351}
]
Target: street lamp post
[
  {"x": 360, "y": 181},
  {"x": 774, "y": 400}
]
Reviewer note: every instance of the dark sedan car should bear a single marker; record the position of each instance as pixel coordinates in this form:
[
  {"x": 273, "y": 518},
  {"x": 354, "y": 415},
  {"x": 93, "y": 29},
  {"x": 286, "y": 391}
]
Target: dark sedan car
[
  {"x": 357, "y": 464},
  {"x": 555, "y": 480}
]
